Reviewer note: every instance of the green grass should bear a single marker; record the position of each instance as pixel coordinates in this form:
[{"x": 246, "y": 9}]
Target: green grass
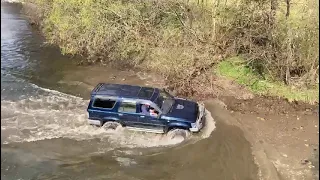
[{"x": 236, "y": 69}]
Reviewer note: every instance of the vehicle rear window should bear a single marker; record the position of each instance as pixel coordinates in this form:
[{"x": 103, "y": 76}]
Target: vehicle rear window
[
  {"x": 104, "y": 103},
  {"x": 128, "y": 107}
]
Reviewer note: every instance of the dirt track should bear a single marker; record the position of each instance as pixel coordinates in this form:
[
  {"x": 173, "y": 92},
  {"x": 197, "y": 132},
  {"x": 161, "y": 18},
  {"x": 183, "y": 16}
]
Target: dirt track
[{"x": 284, "y": 135}]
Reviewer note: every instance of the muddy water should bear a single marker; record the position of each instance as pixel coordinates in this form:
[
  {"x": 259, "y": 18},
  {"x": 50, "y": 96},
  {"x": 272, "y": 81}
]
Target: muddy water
[{"x": 44, "y": 133}]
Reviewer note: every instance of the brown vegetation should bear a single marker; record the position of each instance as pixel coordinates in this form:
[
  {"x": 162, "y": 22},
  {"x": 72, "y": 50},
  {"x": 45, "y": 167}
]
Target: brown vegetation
[{"x": 183, "y": 40}]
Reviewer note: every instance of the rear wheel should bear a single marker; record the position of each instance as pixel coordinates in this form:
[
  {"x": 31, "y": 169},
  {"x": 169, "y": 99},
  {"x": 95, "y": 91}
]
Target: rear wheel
[
  {"x": 111, "y": 125},
  {"x": 178, "y": 134}
]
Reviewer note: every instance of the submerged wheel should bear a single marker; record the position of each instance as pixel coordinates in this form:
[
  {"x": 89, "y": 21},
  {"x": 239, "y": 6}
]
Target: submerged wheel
[
  {"x": 178, "y": 134},
  {"x": 110, "y": 125}
]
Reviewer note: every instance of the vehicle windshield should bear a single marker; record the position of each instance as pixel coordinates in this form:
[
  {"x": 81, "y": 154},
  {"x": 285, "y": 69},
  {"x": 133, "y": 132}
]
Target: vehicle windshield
[{"x": 164, "y": 101}]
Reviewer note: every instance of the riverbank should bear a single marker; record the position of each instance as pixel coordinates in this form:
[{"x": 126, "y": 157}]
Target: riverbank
[
  {"x": 272, "y": 125},
  {"x": 189, "y": 42}
]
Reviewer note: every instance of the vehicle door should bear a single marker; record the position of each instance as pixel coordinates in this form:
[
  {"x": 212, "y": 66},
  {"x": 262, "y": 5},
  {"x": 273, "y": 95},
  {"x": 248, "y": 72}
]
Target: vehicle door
[
  {"x": 128, "y": 113},
  {"x": 152, "y": 123}
]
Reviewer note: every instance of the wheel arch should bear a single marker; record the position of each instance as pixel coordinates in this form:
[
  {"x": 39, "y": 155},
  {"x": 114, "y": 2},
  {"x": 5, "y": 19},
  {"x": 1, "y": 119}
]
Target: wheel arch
[
  {"x": 110, "y": 119},
  {"x": 172, "y": 126}
]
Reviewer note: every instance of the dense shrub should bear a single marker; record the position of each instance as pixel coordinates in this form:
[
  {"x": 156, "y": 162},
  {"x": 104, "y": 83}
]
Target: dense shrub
[{"x": 183, "y": 39}]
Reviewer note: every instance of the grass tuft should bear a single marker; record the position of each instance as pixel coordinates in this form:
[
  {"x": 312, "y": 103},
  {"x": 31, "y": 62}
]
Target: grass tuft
[{"x": 236, "y": 69}]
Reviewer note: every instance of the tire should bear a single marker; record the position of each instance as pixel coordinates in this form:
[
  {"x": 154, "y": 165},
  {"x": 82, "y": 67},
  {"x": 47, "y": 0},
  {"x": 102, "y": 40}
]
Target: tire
[
  {"x": 111, "y": 125},
  {"x": 178, "y": 133}
]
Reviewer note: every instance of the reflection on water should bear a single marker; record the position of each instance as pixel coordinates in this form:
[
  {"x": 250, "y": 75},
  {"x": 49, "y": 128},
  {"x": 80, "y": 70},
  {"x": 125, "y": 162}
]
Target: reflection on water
[{"x": 44, "y": 133}]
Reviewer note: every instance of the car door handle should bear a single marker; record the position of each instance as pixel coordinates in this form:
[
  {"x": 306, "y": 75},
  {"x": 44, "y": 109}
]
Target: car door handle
[
  {"x": 120, "y": 114},
  {"x": 142, "y": 116}
]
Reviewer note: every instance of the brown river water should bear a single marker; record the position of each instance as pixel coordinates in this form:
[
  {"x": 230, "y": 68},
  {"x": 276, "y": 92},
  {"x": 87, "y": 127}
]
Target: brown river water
[{"x": 44, "y": 130}]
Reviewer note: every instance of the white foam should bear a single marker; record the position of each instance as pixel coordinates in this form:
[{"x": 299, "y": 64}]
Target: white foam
[
  {"x": 54, "y": 92},
  {"x": 209, "y": 127},
  {"x": 11, "y": 1},
  {"x": 123, "y": 161}
]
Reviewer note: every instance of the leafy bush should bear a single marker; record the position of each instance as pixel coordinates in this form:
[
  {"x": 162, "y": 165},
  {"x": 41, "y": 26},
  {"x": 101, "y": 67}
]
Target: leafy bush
[{"x": 183, "y": 39}]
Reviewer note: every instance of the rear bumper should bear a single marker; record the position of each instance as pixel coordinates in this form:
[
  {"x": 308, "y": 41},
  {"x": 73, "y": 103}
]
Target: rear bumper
[
  {"x": 198, "y": 125},
  {"x": 94, "y": 122}
]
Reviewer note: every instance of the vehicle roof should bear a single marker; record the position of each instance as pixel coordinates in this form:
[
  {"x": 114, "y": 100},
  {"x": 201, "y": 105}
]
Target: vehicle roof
[{"x": 126, "y": 91}]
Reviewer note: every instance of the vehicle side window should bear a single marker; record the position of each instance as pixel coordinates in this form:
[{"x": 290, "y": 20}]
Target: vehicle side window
[
  {"x": 128, "y": 107},
  {"x": 104, "y": 103},
  {"x": 149, "y": 110}
]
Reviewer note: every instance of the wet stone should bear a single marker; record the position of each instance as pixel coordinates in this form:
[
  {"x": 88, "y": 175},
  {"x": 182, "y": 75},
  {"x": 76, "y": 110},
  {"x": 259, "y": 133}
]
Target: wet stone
[{"x": 305, "y": 161}]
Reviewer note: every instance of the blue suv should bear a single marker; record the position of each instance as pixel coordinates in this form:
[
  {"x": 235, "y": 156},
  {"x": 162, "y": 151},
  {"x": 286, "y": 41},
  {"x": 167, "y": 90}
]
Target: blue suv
[{"x": 143, "y": 109}]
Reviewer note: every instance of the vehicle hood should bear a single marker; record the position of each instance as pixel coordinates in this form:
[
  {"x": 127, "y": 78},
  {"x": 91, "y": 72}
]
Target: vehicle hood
[{"x": 187, "y": 110}]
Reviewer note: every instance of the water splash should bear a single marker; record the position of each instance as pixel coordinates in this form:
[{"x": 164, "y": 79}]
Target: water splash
[{"x": 59, "y": 115}]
